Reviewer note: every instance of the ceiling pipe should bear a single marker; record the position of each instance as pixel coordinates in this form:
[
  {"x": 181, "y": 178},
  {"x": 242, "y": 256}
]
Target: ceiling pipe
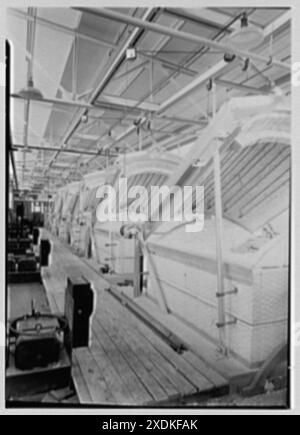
[
  {"x": 243, "y": 88},
  {"x": 154, "y": 27},
  {"x": 45, "y": 100},
  {"x": 110, "y": 103},
  {"x": 29, "y": 148},
  {"x": 199, "y": 20},
  {"x": 214, "y": 72}
]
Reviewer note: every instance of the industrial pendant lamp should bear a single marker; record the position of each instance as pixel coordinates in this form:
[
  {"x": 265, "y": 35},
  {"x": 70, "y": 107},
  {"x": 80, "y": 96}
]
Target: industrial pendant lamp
[
  {"x": 247, "y": 37},
  {"x": 30, "y": 92}
]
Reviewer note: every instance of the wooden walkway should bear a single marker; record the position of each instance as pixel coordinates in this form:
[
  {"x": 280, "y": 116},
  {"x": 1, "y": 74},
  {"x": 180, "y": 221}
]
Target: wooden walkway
[{"x": 127, "y": 363}]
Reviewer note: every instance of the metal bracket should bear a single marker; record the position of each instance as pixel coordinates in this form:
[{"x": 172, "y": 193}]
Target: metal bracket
[
  {"x": 234, "y": 291},
  {"x": 209, "y": 85},
  {"x": 246, "y": 64},
  {"x": 229, "y": 322},
  {"x": 270, "y": 61}
]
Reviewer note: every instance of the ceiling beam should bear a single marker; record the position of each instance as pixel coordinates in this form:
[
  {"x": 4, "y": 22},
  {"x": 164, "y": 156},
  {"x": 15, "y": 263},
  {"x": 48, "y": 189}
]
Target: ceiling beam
[
  {"x": 193, "y": 85},
  {"x": 58, "y": 101},
  {"x": 243, "y": 88},
  {"x": 201, "y": 79},
  {"x": 221, "y": 15},
  {"x": 168, "y": 64},
  {"x": 116, "y": 102},
  {"x": 127, "y": 103},
  {"x": 109, "y": 73},
  {"x": 225, "y": 83},
  {"x": 107, "y": 102},
  {"x": 186, "y": 15},
  {"x": 154, "y": 27},
  {"x": 17, "y": 147},
  {"x": 182, "y": 120},
  {"x": 130, "y": 71},
  {"x": 279, "y": 22},
  {"x": 91, "y": 137},
  {"x": 213, "y": 72}
]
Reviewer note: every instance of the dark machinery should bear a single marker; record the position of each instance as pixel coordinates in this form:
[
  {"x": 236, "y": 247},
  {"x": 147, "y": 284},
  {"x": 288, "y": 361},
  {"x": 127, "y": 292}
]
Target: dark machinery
[
  {"x": 36, "y": 339},
  {"x": 39, "y": 344},
  {"x": 26, "y": 267},
  {"x": 15, "y": 231},
  {"x": 18, "y": 246},
  {"x": 36, "y": 355},
  {"x": 21, "y": 237},
  {"x": 23, "y": 268}
]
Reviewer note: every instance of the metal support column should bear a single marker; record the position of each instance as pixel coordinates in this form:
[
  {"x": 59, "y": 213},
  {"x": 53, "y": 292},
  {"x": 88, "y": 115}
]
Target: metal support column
[{"x": 219, "y": 237}]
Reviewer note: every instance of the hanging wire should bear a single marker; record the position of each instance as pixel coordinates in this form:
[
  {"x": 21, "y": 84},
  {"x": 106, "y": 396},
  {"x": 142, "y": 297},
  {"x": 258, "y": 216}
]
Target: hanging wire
[{"x": 32, "y": 41}]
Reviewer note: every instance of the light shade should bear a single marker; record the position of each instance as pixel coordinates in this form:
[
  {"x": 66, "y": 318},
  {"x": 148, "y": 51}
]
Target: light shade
[
  {"x": 30, "y": 92},
  {"x": 247, "y": 37}
]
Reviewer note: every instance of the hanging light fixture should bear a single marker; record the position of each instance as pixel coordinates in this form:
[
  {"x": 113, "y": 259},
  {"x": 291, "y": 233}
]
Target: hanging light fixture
[
  {"x": 30, "y": 91},
  {"x": 247, "y": 36}
]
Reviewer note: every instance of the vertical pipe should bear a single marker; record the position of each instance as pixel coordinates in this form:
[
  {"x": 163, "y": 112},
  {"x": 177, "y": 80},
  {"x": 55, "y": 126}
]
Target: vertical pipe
[
  {"x": 140, "y": 139},
  {"x": 151, "y": 79},
  {"x": 74, "y": 67},
  {"x": 219, "y": 237},
  {"x": 137, "y": 268},
  {"x": 110, "y": 234}
]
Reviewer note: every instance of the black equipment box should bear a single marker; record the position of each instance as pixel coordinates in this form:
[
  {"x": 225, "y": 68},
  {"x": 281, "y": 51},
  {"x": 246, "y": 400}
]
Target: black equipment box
[
  {"x": 27, "y": 264},
  {"x": 79, "y": 300},
  {"x": 35, "y": 235},
  {"x": 45, "y": 249}
]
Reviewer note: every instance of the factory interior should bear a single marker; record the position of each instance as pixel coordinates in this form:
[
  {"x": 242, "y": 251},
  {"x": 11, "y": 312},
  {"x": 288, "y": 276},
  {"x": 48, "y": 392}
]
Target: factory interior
[{"x": 139, "y": 310}]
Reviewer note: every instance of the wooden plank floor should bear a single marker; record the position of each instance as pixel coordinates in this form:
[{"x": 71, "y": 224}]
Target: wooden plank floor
[{"x": 127, "y": 363}]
